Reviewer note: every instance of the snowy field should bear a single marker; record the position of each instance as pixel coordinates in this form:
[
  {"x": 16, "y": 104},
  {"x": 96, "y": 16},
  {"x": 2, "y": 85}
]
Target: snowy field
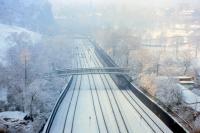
[{"x": 95, "y": 104}]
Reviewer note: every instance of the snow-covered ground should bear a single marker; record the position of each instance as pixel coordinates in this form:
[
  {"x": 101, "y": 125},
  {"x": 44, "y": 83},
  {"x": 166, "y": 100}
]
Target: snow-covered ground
[
  {"x": 13, "y": 122},
  {"x": 13, "y": 115},
  {"x": 6, "y": 31},
  {"x": 190, "y": 99}
]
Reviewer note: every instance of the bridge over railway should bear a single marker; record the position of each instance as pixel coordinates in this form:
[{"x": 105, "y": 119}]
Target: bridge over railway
[{"x": 94, "y": 70}]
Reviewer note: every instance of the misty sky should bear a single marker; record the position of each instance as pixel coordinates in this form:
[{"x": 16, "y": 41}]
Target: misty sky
[{"x": 57, "y": 5}]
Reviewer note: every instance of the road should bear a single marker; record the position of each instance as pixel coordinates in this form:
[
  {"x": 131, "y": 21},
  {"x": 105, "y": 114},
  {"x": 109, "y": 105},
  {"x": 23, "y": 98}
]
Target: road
[{"x": 95, "y": 104}]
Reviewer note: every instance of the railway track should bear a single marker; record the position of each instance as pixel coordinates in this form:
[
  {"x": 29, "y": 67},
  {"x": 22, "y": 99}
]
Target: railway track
[
  {"x": 105, "y": 77},
  {"x": 79, "y": 88},
  {"x": 109, "y": 97},
  {"x": 122, "y": 92},
  {"x": 94, "y": 103},
  {"x": 86, "y": 62}
]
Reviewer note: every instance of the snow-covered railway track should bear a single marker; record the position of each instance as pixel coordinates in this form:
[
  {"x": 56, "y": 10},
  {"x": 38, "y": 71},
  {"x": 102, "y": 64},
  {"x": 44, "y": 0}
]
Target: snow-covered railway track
[
  {"x": 60, "y": 100},
  {"x": 79, "y": 88},
  {"x": 66, "y": 116},
  {"x": 107, "y": 80},
  {"x": 93, "y": 103},
  {"x": 92, "y": 80},
  {"x": 111, "y": 102},
  {"x": 122, "y": 92},
  {"x": 144, "y": 115},
  {"x": 77, "y": 83}
]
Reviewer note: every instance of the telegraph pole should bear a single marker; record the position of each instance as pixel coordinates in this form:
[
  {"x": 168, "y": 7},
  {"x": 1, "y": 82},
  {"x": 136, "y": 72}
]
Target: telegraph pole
[{"x": 25, "y": 56}]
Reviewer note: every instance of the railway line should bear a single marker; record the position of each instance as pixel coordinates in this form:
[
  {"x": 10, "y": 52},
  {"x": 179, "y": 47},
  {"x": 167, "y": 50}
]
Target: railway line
[
  {"x": 126, "y": 94},
  {"x": 117, "y": 116},
  {"x": 93, "y": 103},
  {"x": 106, "y": 77}
]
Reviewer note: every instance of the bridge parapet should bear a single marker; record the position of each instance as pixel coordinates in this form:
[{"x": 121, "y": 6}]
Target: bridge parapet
[{"x": 94, "y": 70}]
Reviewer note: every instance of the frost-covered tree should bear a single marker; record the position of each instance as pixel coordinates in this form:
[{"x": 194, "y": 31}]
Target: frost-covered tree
[
  {"x": 27, "y": 62},
  {"x": 148, "y": 61},
  {"x": 168, "y": 92},
  {"x": 147, "y": 82},
  {"x": 119, "y": 42},
  {"x": 19, "y": 65}
]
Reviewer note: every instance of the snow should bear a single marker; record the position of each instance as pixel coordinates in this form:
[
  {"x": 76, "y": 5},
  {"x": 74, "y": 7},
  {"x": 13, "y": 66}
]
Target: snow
[
  {"x": 189, "y": 98},
  {"x": 13, "y": 115},
  {"x": 85, "y": 121},
  {"x": 13, "y": 122}
]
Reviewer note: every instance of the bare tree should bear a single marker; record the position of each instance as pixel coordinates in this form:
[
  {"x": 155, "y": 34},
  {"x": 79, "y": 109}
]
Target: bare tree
[
  {"x": 196, "y": 42},
  {"x": 149, "y": 60},
  {"x": 156, "y": 61},
  {"x": 178, "y": 43},
  {"x": 186, "y": 61}
]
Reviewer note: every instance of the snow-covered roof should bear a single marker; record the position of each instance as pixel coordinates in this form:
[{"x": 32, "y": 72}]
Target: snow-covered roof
[
  {"x": 186, "y": 82},
  {"x": 184, "y": 77}
]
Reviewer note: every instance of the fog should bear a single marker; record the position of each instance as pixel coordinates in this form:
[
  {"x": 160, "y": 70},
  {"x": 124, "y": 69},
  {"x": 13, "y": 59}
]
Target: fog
[
  {"x": 157, "y": 41},
  {"x": 98, "y": 14}
]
